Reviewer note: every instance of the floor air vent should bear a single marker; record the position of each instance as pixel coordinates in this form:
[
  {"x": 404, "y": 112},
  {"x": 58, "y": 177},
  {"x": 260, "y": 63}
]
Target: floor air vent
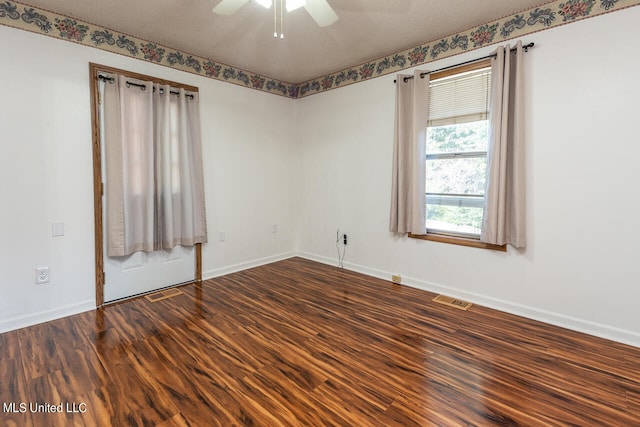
[
  {"x": 452, "y": 302},
  {"x": 160, "y": 295}
]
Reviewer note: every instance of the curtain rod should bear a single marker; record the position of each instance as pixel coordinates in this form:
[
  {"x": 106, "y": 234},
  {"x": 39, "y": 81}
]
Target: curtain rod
[
  {"x": 111, "y": 80},
  {"x": 525, "y": 47}
]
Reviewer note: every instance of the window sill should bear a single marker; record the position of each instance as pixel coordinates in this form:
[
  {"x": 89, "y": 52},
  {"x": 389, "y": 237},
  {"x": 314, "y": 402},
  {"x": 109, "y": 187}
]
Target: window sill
[{"x": 456, "y": 240}]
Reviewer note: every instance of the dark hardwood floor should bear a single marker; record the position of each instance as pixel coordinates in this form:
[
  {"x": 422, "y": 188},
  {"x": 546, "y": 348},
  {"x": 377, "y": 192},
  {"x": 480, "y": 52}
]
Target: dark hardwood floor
[{"x": 298, "y": 343}]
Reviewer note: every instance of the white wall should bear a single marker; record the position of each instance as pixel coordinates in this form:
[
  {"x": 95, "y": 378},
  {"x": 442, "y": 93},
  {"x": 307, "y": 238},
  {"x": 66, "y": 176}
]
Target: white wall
[
  {"x": 46, "y": 174},
  {"x": 324, "y": 162},
  {"x": 579, "y": 268}
]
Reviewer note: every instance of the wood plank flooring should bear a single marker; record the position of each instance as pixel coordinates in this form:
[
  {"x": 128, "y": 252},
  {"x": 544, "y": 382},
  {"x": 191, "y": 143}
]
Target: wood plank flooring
[{"x": 297, "y": 343}]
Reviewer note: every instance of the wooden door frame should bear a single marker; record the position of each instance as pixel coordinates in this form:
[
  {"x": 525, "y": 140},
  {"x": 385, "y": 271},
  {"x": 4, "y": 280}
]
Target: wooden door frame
[{"x": 98, "y": 186}]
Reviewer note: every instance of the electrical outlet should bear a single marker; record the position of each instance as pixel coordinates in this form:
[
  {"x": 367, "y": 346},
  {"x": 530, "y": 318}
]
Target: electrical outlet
[
  {"x": 42, "y": 275},
  {"x": 396, "y": 278}
]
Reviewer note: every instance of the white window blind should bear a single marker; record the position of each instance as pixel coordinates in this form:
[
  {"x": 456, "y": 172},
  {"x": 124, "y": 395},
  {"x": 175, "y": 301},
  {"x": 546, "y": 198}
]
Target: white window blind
[{"x": 461, "y": 98}]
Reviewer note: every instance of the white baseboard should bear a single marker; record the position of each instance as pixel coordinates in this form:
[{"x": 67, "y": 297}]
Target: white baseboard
[
  {"x": 18, "y": 322},
  {"x": 210, "y": 274},
  {"x": 580, "y": 325},
  {"x": 567, "y": 322},
  {"x": 45, "y": 316}
]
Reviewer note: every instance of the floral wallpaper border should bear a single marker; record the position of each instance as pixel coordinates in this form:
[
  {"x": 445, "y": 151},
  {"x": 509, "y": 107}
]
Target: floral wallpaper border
[{"x": 549, "y": 15}]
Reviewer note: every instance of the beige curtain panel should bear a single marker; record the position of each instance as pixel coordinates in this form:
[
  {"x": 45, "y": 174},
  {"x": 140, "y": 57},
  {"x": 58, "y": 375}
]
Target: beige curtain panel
[
  {"x": 154, "y": 177},
  {"x": 504, "y": 211},
  {"x": 179, "y": 175},
  {"x": 408, "y": 200},
  {"x": 128, "y": 132}
]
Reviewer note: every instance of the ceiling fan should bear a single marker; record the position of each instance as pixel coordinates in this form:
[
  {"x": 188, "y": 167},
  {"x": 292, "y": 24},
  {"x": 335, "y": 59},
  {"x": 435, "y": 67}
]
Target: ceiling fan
[{"x": 319, "y": 10}]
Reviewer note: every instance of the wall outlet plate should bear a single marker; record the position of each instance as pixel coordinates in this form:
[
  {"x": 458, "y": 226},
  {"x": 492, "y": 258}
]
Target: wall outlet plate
[
  {"x": 42, "y": 275},
  {"x": 396, "y": 278}
]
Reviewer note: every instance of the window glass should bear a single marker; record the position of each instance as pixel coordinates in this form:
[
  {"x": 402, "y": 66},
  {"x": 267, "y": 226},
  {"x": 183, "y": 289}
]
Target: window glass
[{"x": 456, "y": 161}]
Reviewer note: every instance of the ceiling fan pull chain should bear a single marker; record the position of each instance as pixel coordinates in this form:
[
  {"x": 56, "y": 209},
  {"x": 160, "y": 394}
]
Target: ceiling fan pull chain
[
  {"x": 275, "y": 20},
  {"x": 281, "y": 20}
]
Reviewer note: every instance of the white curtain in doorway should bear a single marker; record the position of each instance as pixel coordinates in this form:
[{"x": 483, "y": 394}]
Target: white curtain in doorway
[
  {"x": 155, "y": 185},
  {"x": 179, "y": 175}
]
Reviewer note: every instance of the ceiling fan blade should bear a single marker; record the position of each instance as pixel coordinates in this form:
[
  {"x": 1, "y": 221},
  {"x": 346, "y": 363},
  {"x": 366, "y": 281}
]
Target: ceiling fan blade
[
  {"x": 228, "y": 7},
  {"x": 321, "y": 12}
]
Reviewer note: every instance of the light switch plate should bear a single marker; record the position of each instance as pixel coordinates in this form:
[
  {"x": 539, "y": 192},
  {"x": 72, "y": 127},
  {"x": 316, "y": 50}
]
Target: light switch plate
[{"x": 57, "y": 229}]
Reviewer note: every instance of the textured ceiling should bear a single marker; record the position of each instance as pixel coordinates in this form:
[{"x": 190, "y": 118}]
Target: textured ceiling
[{"x": 366, "y": 29}]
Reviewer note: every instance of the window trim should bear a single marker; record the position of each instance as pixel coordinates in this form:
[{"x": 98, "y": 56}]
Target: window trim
[
  {"x": 452, "y": 238},
  {"x": 458, "y": 240}
]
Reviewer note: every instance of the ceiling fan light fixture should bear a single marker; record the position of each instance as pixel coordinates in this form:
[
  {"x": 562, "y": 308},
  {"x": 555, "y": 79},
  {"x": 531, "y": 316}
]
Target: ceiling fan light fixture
[
  {"x": 320, "y": 10},
  {"x": 295, "y": 4}
]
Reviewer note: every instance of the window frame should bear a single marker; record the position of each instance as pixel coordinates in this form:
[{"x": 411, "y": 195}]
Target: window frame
[{"x": 444, "y": 236}]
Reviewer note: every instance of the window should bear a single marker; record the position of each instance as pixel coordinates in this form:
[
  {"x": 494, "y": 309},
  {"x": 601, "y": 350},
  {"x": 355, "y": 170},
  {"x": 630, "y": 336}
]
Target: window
[
  {"x": 457, "y": 142},
  {"x": 456, "y": 152},
  {"x": 466, "y": 185}
]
